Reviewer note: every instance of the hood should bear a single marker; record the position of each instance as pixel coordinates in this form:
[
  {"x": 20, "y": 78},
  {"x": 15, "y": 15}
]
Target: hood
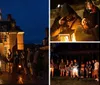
[{"x": 66, "y": 10}]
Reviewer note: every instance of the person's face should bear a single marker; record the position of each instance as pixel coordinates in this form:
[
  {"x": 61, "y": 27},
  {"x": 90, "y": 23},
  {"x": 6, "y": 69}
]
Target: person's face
[
  {"x": 89, "y": 62},
  {"x": 62, "y": 22},
  {"x": 89, "y": 5},
  {"x": 62, "y": 60},
  {"x": 75, "y": 61},
  {"x": 71, "y": 62},
  {"x": 86, "y": 62},
  {"x": 69, "y": 23},
  {"x": 92, "y": 61}
]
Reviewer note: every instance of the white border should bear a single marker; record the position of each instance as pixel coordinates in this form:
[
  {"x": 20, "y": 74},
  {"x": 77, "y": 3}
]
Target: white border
[
  {"x": 49, "y": 43},
  {"x": 75, "y": 42}
]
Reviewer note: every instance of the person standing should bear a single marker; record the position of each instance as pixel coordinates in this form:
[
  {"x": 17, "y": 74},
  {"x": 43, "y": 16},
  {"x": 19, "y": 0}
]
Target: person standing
[
  {"x": 93, "y": 69},
  {"x": 67, "y": 68},
  {"x": 90, "y": 69},
  {"x": 16, "y": 60},
  {"x": 52, "y": 67},
  {"x": 35, "y": 62},
  {"x": 0, "y": 64},
  {"x": 71, "y": 69},
  {"x": 75, "y": 69},
  {"x": 96, "y": 70},
  {"x": 86, "y": 69},
  {"x": 28, "y": 55},
  {"x": 62, "y": 68},
  {"x": 91, "y": 15},
  {"x": 82, "y": 70},
  {"x": 23, "y": 61},
  {"x": 29, "y": 64},
  {"x": 10, "y": 60}
]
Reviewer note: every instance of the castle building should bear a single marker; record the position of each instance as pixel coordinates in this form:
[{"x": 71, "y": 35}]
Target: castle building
[{"x": 11, "y": 36}]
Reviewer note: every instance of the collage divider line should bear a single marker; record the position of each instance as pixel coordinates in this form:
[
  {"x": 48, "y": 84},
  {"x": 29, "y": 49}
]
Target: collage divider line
[{"x": 49, "y": 41}]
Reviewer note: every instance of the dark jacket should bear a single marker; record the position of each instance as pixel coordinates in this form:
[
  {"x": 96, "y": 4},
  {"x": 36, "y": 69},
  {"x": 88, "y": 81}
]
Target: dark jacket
[{"x": 92, "y": 16}]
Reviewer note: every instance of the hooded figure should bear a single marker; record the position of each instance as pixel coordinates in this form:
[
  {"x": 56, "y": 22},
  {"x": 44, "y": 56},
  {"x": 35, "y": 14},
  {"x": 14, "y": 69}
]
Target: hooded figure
[
  {"x": 70, "y": 23},
  {"x": 64, "y": 11}
]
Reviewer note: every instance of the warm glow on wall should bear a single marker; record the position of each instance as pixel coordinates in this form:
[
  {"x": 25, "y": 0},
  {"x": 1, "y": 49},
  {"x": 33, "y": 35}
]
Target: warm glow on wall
[
  {"x": 20, "y": 41},
  {"x": 1, "y": 48}
]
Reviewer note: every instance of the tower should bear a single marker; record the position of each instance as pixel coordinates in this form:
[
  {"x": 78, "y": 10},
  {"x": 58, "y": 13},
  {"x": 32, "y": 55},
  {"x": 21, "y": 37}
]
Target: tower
[
  {"x": 0, "y": 14},
  {"x": 9, "y": 17}
]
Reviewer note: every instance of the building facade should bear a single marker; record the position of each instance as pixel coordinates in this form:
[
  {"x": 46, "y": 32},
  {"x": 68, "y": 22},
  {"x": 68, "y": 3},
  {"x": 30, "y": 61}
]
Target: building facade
[{"x": 11, "y": 36}]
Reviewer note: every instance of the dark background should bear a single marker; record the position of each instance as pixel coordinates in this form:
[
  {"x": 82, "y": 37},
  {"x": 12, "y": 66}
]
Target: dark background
[
  {"x": 54, "y": 3},
  {"x": 79, "y": 51}
]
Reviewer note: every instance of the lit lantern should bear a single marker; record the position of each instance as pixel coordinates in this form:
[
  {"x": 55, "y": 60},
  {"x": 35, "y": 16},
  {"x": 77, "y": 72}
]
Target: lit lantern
[
  {"x": 19, "y": 66},
  {"x": 64, "y": 37}
]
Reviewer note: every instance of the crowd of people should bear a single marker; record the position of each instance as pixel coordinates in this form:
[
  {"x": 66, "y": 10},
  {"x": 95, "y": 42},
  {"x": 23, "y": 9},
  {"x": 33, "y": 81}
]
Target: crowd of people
[
  {"x": 28, "y": 62},
  {"x": 71, "y": 68}
]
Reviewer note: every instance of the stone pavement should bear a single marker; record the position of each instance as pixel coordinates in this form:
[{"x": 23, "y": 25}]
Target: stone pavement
[{"x": 6, "y": 78}]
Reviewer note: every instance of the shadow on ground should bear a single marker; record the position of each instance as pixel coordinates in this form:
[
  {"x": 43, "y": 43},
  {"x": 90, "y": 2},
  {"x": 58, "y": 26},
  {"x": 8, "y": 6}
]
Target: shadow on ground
[{"x": 69, "y": 81}]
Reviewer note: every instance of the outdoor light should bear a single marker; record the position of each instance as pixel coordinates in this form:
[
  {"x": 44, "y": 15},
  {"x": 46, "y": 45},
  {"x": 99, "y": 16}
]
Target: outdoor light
[
  {"x": 19, "y": 66},
  {"x": 58, "y": 6}
]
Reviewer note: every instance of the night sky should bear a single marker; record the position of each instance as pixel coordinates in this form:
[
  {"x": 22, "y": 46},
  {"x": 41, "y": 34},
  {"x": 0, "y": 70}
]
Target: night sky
[{"x": 30, "y": 15}]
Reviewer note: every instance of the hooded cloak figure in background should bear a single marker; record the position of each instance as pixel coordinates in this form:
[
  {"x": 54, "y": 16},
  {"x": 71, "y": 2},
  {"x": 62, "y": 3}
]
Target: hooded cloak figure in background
[{"x": 92, "y": 14}]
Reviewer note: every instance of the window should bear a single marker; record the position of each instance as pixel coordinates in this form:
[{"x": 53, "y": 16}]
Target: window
[
  {"x": 5, "y": 50},
  {"x": 5, "y": 38}
]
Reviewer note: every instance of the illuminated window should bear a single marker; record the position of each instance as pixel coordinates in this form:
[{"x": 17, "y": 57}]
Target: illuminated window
[
  {"x": 5, "y": 38},
  {"x": 5, "y": 50}
]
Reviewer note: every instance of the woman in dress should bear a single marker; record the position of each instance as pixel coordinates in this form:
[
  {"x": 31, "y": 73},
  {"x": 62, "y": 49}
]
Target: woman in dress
[{"x": 52, "y": 67}]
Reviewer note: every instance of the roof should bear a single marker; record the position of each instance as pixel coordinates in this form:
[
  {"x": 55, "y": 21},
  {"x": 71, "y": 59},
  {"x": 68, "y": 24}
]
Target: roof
[{"x": 5, "y": 26}]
